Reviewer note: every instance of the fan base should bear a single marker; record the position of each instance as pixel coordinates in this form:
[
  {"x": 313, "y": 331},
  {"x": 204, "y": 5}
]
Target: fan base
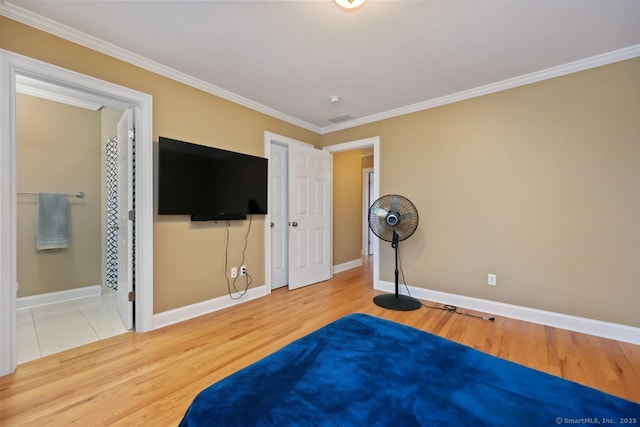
[{"x": 397, "y": 302}]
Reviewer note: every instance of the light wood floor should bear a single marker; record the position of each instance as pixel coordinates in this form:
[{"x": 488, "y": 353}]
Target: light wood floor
[{"x": 149, "y": 379}]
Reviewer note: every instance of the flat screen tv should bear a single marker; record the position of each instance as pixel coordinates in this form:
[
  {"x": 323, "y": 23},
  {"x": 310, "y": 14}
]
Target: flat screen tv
[{"x": 209, "y": 183}]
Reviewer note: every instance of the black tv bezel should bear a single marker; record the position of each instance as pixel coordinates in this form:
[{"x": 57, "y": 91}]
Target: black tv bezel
[{"x": 199, "y": 215}]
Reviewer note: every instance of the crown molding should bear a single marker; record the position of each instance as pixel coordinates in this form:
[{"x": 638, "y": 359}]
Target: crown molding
[
  {"x": 31, "y": 19},
  {"x": 26, "y": 17},
  {"x": 525, "y": 79}
]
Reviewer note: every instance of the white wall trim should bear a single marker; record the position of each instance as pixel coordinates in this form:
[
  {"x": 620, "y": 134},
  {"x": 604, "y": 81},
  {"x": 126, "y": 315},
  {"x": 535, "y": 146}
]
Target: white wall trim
[
  {"x": 33, "y": 20},
  {"x": 583, "y": 325},
  {"x": 8, "y": 284},
  {"x": 181, "y": 314},
  {"x": 270, "y": 137},
  {"x": 58, "y": 297},
  {"x": 347, "y": 265},
  {"x": 525, "y": 79},
  {"x": 366, "y": 203},
  {"x": 56, "y": 97}
]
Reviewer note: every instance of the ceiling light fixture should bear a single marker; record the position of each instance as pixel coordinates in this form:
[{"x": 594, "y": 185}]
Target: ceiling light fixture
[
  {"x": 349, "y": 4},
  {"x": 335, "y": 100}
]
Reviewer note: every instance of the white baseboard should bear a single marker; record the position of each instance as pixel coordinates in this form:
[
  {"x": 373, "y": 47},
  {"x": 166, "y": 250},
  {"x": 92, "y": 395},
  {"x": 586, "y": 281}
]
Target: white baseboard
[
  {"x": 57, "y": 297},
  {"x": 181, "y": 314},
  {"x": 347, "y": 265},
  {"x": 584, "y": 325}
]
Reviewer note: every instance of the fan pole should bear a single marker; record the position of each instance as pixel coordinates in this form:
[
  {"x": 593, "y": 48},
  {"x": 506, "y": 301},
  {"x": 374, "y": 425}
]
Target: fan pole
[
  {"x": 394, "y": 245},
  {"x": 396, "y": 301}
]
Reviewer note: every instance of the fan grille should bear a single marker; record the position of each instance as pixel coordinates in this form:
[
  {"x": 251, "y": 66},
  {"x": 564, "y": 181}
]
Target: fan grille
[{"x": 393, "y": 213}]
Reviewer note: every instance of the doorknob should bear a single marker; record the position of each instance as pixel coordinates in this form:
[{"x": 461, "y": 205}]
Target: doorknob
[
  {"x": 272, "y": 224},
  {"x": 293, "y": 224}
]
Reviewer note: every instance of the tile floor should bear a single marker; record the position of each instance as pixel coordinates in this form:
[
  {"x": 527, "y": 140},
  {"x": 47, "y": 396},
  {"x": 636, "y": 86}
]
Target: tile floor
[{"x": 57, "y": 327}]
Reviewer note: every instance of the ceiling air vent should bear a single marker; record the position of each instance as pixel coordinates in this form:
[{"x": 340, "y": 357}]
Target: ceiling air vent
[{"x": 341, "y": 119}]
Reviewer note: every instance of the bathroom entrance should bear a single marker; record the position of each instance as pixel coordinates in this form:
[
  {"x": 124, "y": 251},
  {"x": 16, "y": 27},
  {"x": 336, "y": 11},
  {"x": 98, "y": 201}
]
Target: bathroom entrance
[
  {"x": 73, "y": 178},
  {"x": 110, "y": 95}
]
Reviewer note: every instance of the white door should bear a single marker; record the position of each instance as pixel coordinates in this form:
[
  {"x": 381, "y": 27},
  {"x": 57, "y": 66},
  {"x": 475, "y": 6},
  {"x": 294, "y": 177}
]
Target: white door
[
  {"x": 309, "y": 216},
  {"x": 125, "y": 229},
  {"x": 278, "y": 211}
]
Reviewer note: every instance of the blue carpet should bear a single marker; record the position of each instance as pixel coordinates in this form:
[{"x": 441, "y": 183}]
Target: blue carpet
[{"x": 365, "y": 371}]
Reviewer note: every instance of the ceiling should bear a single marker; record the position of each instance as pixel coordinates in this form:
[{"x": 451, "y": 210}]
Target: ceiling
[{"x": 288, "y": 58}]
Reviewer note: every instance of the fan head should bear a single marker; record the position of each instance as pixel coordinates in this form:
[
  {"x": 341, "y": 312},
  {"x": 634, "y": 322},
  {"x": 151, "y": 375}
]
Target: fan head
[{"x": 393, "y": 214}]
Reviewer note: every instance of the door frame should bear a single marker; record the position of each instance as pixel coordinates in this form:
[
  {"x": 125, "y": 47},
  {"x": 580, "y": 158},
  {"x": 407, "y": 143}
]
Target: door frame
[
  {"x": 366, "y": 232},
  {"x": 282, "y": 281},
  {"x": 372, "y": 142},
  {"x": 11, "y": 65}
]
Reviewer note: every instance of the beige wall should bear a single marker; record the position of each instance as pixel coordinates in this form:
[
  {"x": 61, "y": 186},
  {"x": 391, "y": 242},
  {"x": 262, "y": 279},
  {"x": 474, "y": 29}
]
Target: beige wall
[
  {"x": 188, "y": 258},
  {"x": 58, "y": 150},
  {"x": 367, "y": 162},
  {"x": 347, "y": 206},
  {"x": 538, "y": 184}
]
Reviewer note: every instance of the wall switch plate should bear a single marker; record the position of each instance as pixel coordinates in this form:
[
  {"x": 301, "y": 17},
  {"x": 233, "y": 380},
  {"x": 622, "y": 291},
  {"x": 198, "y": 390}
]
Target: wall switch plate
[
  {"x": 243, "y": 270},
  {"x": 234, "y": 272},
  {"x": 491, "y": 280}
]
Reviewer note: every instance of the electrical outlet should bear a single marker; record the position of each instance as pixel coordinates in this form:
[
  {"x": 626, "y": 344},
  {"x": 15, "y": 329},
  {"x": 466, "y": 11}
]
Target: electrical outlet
[
  {"x": 234, "y": 272},
  {"x": 491, "y": 280},
  {"x": 243, "y": 270}
]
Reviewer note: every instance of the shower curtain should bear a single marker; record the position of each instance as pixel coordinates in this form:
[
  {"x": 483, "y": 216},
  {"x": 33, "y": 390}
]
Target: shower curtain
[{"x": 111, "y": 269}]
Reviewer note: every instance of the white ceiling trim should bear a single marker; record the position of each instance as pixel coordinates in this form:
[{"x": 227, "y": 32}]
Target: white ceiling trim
[
  {"x": 560, "y": 70},
  {"x": 28, "y": 18}
]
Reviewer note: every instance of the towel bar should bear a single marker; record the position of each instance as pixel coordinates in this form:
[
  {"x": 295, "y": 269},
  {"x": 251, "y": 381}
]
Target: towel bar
[{"x": 79, "y": 194}]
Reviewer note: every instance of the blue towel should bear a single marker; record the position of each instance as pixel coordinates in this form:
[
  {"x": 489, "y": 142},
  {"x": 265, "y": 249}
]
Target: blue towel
[{"x": 52, "y": 230}]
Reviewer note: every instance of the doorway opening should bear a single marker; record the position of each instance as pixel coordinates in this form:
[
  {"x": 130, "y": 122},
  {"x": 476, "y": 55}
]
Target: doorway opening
[
  {"x": 14, "y": 67},
  {"x": 371, "y": 146},
  {"x": 66, "y": 295}
]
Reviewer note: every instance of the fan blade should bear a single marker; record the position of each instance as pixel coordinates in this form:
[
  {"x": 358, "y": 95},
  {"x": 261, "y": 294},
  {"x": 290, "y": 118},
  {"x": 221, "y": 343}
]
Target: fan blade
[
  {"x": 394, "y": 204},
  {"x": 378, "y": 212},
  {"x": 406, "y": 217}
]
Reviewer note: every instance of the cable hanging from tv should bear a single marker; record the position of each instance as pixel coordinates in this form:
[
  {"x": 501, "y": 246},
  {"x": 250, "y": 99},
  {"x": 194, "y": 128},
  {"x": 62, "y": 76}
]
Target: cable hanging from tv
[{"x": 239, "y": 293}]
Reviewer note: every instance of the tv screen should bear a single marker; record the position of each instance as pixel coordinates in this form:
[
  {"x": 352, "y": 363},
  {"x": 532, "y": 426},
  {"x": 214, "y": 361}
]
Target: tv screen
[{"x": 209, "y": 183}]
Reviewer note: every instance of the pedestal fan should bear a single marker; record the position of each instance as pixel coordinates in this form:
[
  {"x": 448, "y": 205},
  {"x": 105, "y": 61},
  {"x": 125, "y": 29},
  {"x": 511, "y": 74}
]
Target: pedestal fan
[{"x": 394, "y": 218}]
